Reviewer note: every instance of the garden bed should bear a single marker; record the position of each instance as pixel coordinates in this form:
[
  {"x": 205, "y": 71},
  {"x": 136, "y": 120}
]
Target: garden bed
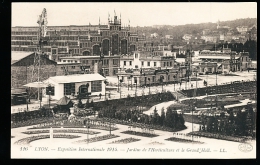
[
  {"x": 174, "y": 139},
  {"x": 140, "y": 125},
  {"x": 76, "y": 126},
  {"x": 62, "y": 131},
  {"x": 26, "y": 141},
  {"x": 96, "y": 139},
  {"x": 156, "y": 143},
  {"x": 32, "y": 122},
  {"x": 125, "y": 141},
  {"x": 144, "y": 134},
  {"x": 218, "y": 136}
]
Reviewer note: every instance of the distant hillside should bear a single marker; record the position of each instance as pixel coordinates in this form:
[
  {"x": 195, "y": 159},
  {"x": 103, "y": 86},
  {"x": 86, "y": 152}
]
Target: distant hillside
[
  {"x": 240, "y": 22},
  {"x": 180, "y": 30}
]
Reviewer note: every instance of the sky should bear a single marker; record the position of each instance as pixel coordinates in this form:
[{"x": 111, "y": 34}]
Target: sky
[{"x": 139, "y": 14}]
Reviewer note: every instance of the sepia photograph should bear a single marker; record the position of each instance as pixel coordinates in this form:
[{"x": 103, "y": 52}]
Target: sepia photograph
[{"x": 133, "y": 80}]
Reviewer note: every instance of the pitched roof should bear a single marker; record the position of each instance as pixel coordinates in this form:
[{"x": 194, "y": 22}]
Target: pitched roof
[
  {"x": 17, "y": 56},
  {"x": 76, "y": 78},
  {"x": 64, "y": 101}
]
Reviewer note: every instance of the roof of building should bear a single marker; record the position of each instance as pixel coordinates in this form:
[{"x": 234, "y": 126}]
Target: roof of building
[
  {"x": 76, "y": 78},
  {"x": 217, "y": 57},
  {"x": 16, "y": 56},
  {"x": 68, "y": 63},
  {"x": 18, "y": 90}
]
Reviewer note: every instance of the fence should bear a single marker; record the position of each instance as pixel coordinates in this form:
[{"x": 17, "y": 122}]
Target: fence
[{"x": 30, "y": 108}]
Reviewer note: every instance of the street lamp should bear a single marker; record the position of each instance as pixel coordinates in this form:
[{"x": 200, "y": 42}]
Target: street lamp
[
  {"x": 88, "y": 130},
  {"x": 161, "y": 80},
  {"x": 135, "y": 88},
  {"x": 128, "y": 78},
  {"x": 149, "y": 85},
  {"x": 131, "y": 76},
  {"x": 88, "y": 93},
  {"x": 120, "y": 86},
  {"x": 105, "y": 82},
  {"x": 167, "y": 77},
  {"x": 27, "y": 98},
  {"x": 49, "y": 93},
  {"x": 174, "y": 77}
]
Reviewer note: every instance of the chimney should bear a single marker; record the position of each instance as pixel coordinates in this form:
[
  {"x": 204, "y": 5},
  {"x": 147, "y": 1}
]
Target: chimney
[{"x": 95, "y": 68}]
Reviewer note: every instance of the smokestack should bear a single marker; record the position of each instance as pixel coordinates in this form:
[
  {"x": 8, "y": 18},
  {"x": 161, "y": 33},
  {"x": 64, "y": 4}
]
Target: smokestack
[{"x": 95, "y": 68}]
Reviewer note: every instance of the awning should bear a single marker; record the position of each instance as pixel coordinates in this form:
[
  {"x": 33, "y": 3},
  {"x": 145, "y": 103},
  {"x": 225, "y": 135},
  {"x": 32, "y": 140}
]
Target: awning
[{"x": 36, "y": 85}]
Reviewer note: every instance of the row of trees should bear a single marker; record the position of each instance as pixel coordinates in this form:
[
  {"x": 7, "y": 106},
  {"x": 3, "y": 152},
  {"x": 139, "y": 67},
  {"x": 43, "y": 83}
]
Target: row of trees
[
  {"x": 241, "y": 124},
  {"x": 144, "y": 100},
  {"x": 249, "y": 46},
  {"x": 169, "y": 119},
  {"x": 131, "y": 109},
  {"x": 248, "y": 86}
]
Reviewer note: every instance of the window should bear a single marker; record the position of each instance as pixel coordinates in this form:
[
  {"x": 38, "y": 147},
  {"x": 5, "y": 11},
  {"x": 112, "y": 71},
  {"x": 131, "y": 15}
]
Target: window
[
  {"x": 153, "y": 78},
  {"x": 164, "y": 64},
  {"x": 135, "y": 80},
  {"x": 130, "y": 63},
  {"x": 69, "y": 88},
  {"x": 86, "y": 61},
  {"x": 170, "y": 63},
  {"x": 96, "y": 86},
  {"x": 148, "y": 63},
  {"x": 72, "y": 67},
  {"x": 124, "y": 63},
  {"x": 167, "y": 63},
  {"x": 106, "y": 71},
  {"x": 75, "y": 61},
  {"x": 142, "y": 63},
  {"x": 64, "y": 61},
  {"x": 115, "y": 61},
  {"x": 115, "y": 71},
  {"x": 154, "y": 63}
]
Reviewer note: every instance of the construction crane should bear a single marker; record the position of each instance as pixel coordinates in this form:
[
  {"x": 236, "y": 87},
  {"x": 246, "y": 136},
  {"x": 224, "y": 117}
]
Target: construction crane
[{"x": 39, "y": 42}]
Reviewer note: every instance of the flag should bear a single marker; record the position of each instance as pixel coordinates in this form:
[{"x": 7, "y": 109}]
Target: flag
[{"x": 78, "y": 41}]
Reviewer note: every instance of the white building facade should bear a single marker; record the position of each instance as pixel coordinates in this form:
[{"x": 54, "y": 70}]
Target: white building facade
[{"x": 76, "y": 85}]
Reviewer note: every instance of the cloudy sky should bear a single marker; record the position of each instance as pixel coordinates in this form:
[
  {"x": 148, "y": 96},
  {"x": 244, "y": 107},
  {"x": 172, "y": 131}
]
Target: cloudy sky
[{"x": 141, "y": 14}]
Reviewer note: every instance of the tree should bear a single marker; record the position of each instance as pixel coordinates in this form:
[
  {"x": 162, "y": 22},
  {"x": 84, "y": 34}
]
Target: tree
[
  {"x": 80, "y": 105},
  {"x": 210, "y": 123},
  {"x": 87, "y": 104},
  {"x": 168, "y": 118},
  {"x": 91, "y": 103},
  {"x": 182, "y": 121},
  {"x": 162, "y": 117}
]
